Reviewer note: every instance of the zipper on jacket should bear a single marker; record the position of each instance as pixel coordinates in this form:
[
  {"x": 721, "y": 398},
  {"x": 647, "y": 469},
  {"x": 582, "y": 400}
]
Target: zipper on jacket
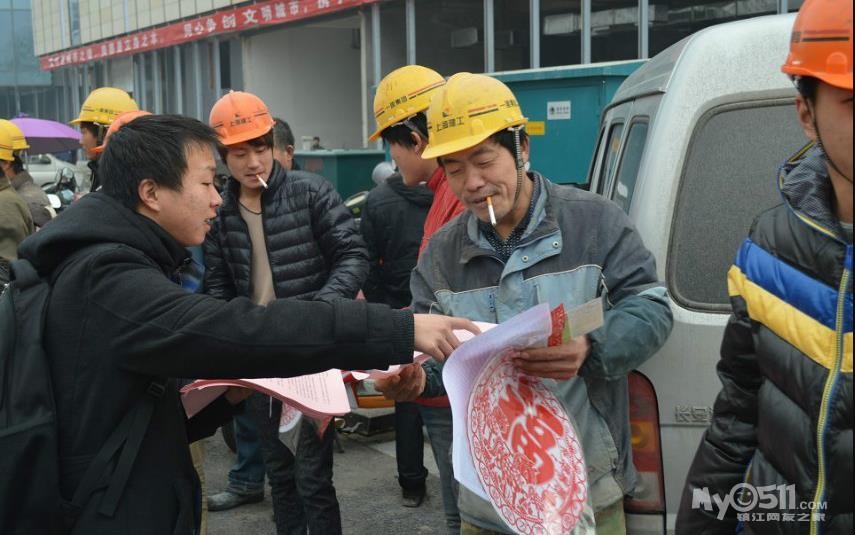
[{"x": 824, "y": 409}]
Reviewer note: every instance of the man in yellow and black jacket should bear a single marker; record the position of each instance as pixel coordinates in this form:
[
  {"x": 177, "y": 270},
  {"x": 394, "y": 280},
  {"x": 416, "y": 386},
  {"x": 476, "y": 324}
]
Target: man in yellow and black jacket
[{"x": 778, "y": 455}]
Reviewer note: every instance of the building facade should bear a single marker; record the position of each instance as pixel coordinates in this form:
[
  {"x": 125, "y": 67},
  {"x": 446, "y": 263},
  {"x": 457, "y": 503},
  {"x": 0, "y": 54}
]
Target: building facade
[
  {"x": 316, "y": 62},
  {"x": 24, "y": 87}
]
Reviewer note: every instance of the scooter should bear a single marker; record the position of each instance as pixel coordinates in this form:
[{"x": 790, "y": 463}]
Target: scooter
[{"x": 63, "y": 190}]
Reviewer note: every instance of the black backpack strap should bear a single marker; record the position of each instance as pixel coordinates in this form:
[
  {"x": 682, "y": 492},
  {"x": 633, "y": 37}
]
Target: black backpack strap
[{"x": 128, "y": 437}]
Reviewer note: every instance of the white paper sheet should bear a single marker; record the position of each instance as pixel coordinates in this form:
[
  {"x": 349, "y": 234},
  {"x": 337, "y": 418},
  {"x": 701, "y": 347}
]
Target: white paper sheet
[
  {"x": 529, "y": 329},
  {"x": 317, "y": 395}
]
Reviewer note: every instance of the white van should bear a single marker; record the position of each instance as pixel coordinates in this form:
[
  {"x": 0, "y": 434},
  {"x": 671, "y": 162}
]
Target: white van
[{"x": 690, "y": 146}]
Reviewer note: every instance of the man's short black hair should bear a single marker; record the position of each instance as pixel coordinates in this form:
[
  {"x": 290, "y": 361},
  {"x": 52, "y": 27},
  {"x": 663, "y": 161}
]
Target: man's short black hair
[
  {"x": 282, "y": 134},
  {"x": 400, "y": 134},
  {"x": 807, "y": 86},
  {"x": 98, "y": 131},
  {"x": 17, "y": 164},
  {"x": 152, "y": 146},
  {"x": 504, "y": 138},
  {"x": 265, "y": 140}
]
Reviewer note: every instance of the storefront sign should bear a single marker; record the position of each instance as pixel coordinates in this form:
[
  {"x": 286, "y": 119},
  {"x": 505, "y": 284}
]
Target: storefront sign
[{"x": 256, "y": 15}]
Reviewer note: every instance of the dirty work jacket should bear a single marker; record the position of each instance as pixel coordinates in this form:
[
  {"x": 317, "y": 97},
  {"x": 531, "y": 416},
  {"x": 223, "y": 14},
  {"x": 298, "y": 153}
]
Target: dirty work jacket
[
  {"x": 577, "y": 247},
  {"x": 36, "y": 199},
  {"x": 784, "y": 414}
]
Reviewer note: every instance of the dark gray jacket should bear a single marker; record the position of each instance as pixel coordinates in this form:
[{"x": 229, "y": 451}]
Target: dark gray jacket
[
  {"x": 392, "y": 225},
  {"x": 577, "y": 247},
  {"x": 313, "y": 243}
]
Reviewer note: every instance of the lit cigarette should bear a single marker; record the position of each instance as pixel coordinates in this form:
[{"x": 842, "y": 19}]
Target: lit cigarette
[
  {"x": 263, "y": 183},
  {"x": 492, "y": 212}
]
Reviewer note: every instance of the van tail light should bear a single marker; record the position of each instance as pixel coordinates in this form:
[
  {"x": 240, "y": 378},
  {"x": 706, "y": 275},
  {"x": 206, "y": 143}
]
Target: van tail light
[{"x": 646, "y": 447}]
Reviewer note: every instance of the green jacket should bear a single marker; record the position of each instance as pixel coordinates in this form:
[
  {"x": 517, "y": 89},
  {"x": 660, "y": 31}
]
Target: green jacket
[{"x": 16, "y": 223}]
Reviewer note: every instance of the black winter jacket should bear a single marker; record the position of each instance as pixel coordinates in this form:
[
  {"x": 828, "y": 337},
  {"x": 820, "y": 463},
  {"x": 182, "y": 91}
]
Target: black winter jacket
[
  {"x": 392, "y": 224},
  {"x": 117, "y": 319},
  {"x": 313, "y": 244},
  {"x": 784, "y": 415}
]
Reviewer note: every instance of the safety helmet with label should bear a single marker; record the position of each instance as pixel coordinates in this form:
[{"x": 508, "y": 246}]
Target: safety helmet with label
[
  {"x": 403, "y": 93},
  {"x": 120, "y": 121},
  {"x": 466, "y": 111},
  {"x": 6, "y": 146},
  {"x": 103, "y": 105},
  {"x": 19, "y": 142},
  {"x": 238, "y": 117},
  {"x": 821, "y": 43}
]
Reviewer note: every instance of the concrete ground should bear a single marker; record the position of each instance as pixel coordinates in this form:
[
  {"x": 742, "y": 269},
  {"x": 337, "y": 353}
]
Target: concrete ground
[{"x": 366, "y": 482}]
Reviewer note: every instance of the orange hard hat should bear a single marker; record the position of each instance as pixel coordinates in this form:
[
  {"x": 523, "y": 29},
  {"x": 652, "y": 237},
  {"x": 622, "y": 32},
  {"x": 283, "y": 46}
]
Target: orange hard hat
[
  {"x": 239, "y": 117},
  {"x": 121, "y": 120},
  {"x": 821, "y": 43}
]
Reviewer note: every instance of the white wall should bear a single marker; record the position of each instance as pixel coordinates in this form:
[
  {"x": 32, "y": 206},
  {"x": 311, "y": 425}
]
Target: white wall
[{"x": 310, "y": 77}]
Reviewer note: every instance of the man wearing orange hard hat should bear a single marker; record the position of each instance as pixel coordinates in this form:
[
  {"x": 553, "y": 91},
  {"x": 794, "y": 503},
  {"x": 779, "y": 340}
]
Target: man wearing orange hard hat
[
  {"x": 280, "y": 234},
  {"x": 782, "y": 423}
]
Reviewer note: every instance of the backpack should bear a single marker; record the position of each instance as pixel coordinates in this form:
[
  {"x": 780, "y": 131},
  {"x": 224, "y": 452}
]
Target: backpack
[{"x": 30, "y": 499}]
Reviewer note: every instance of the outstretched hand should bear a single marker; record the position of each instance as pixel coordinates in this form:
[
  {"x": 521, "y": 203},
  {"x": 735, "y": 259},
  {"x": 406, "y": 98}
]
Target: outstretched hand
[
  {"x": 406, "y": 385},
  {"x": 434, "y": 334}
]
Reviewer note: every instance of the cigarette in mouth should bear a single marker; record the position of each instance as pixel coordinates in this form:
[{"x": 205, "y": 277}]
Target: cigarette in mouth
[
  {"x": 263, "y": 183},
  {"x": 492, "y": 212}
]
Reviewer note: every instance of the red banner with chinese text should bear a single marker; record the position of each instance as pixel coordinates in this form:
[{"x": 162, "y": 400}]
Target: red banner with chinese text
[{"x": 236, "y": 19}]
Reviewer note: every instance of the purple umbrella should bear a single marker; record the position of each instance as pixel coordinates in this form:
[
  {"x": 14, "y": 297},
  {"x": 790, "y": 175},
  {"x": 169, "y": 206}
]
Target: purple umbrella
[{"x": 45, "y": 136}]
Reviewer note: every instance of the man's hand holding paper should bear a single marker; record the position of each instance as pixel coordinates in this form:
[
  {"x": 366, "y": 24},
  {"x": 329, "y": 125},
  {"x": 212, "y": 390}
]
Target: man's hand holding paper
[{"x": 560, "y": 362}]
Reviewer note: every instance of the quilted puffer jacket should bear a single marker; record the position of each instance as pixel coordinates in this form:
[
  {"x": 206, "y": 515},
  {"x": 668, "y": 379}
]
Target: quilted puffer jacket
[
  {"x": 313, "y": 243},
  {"x": 779, "y": 449}
]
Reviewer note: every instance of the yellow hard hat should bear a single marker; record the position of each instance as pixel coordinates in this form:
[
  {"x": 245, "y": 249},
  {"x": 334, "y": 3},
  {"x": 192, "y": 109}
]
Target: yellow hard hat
[
  {"x": 468, "y": 110},
  {"x": 104, "y": 104},
  {"x": 6, "y": 146},
  {"x": 19, "y": 142},
  {"x": 403, "y": 93}
]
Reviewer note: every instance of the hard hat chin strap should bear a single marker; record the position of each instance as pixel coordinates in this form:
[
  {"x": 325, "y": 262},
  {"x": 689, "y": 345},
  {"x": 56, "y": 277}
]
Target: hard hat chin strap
[{"x": 520, "y": 165}]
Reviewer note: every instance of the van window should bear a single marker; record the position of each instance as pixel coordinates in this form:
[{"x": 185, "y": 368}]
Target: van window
[
  {"x": 729, "y": 177},
  {"x": 629, "y": 162},
  {"x": 610, "y": 157}
]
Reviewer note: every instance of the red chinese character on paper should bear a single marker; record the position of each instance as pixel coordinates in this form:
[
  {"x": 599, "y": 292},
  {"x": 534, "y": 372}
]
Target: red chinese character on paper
[
  {"x": 249, "y": 16},
  {"x": 266, "y": 13},
  {"x": 534, "y": 430},
  {"x": 229, "y": 21}
]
